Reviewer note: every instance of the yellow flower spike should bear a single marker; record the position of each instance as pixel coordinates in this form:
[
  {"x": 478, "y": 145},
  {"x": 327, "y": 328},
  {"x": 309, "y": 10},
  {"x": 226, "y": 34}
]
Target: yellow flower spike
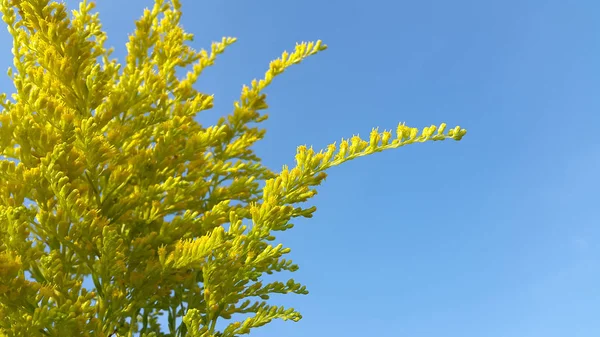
[{"x": 109, "y": 188}]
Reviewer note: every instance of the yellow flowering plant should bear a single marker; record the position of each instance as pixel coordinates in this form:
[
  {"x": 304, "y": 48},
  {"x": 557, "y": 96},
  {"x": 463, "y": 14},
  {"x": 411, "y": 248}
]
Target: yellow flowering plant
[{"x": 106, "y": 151}]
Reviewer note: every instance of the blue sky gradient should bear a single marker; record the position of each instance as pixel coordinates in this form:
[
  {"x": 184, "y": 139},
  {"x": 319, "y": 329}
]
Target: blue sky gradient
[{"x": 496, "y": 235}]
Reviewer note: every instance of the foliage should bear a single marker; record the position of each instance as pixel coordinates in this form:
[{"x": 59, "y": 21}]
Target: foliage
[{"x": 106, "y": 153}]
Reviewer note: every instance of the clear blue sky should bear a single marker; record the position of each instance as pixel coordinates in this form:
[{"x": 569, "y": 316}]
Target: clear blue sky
[{"x": 495, "y": 235}]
